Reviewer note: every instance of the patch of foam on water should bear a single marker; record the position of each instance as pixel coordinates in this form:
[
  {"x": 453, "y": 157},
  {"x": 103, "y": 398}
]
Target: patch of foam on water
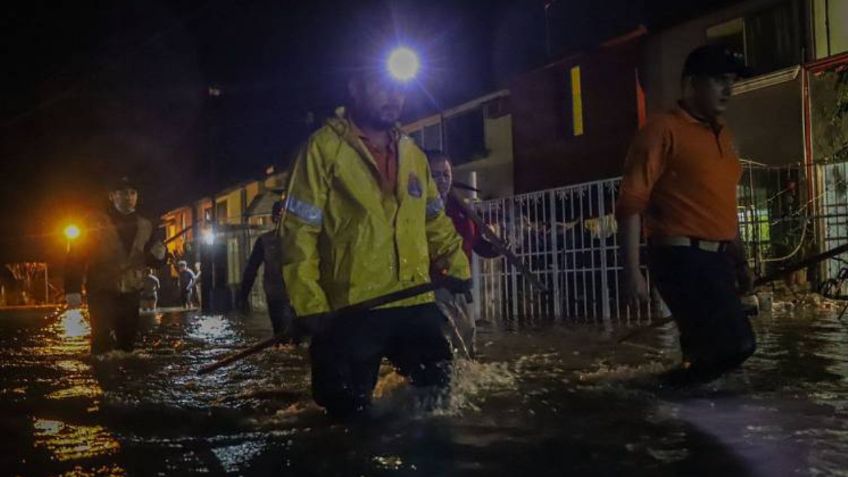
[
  {"x": 620, "y": 379},
  {"x": 390, "y": 462},
  {"x": 668, "y": 456},
  {"x": 118, "y": 355},
  {"x": 607, "y": 373},
  {"x": 286, "y": 416},
  {"x": 472, "y": 381}
]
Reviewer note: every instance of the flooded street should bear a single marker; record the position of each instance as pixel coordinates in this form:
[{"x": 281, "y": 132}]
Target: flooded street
[{"x": 551, "y": 401}]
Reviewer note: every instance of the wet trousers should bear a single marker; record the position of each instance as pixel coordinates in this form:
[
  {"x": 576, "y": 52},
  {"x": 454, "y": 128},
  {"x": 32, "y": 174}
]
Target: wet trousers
[
  {"x": 114, "y": 320},
  {"x": 461, "y": 323},
  {"x": 699, "y": 288},
  {"x": 346, "y": 357},
  {"x": 280, "y": 312}
]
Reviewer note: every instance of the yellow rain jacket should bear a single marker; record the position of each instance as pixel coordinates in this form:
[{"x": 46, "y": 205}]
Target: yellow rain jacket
[{"x": 344, "y": 240}]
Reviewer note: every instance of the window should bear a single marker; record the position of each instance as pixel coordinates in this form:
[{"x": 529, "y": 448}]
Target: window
[
  {"x": 768, "y": 40},
  {"x": 417, "y": 137},
  {"x": 466, "y": 136},
  {"x": 831, "y": 27},
  {"x": 730, "y": 34},
  {"x": 432, "y": 137}
]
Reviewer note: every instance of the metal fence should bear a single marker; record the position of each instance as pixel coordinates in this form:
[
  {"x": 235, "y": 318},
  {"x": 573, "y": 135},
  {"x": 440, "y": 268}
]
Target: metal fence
[
  {"x": 833, "y": 217},
  {"x": 775, "y": 213},
  {"x": 568, "y": 237}
]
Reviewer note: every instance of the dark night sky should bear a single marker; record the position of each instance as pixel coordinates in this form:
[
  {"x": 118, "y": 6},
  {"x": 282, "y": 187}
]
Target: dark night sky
[{"x": 101, "y": 88}]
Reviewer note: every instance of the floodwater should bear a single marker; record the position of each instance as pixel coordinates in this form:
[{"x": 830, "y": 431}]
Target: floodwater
[{"x": 557, "y": 400}]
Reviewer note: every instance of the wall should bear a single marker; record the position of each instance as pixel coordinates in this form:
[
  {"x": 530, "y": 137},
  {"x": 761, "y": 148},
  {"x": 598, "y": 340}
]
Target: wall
[
  {"x": 251, "y": 190},
  {"x": 175, "y": 221},
  {"x": 549, "y": 151},
  {"x": 494, "y": 172}
]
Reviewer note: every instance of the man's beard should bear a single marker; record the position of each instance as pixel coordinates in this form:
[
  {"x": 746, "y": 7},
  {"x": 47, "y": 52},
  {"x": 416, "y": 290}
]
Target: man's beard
[
  {"x": 384, "y": 123},
  {"x": 124, "y": 210}
]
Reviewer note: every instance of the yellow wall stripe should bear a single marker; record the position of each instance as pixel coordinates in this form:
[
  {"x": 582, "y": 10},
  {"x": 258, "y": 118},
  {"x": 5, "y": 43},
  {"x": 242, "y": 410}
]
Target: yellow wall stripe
[{"x": 576, "y": 101}]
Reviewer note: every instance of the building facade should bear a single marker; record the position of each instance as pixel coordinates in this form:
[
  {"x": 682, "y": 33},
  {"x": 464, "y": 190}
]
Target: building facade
[
  {"x": 215, "y": 235},
  {"x": 478, "y": 137}
]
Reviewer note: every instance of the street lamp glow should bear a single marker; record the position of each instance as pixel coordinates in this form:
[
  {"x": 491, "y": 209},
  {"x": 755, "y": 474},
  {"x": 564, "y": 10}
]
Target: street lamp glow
[
  {"x": 403, "y": 64},
  {"x": 209, "y": 237},
  {"x": 72, "y": 232}
]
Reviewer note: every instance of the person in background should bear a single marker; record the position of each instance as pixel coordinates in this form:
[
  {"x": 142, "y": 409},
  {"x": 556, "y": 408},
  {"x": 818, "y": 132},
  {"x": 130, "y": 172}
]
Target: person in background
[
  {"x": 266, "y": 253},
  {"x": 186, "y": 280},
  {"x": 112, "y": 257},
  {"x": 456, "y": 307},
  {"x": 150, "y": 292},
  {"x": 198, "y": 289},
  {"x": 681, "y": 173}
]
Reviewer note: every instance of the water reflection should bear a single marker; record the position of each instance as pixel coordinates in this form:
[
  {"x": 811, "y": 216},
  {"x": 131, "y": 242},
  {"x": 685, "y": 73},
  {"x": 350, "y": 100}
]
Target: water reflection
[
  {"x": 74, "y": 325},
  {"x": 73, "y": 442}
]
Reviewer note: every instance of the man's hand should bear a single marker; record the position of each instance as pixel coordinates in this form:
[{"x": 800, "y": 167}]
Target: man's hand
[
  {"x": 74, "y": 300},
  {"x": 158, "y": 251},
  {"x": 635, "y": 288}
]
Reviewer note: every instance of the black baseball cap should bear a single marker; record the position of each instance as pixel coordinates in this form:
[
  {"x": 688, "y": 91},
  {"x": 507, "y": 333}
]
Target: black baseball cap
[
  {"x": 714, "y": 60},
  {"x": 122, "y": 183}
]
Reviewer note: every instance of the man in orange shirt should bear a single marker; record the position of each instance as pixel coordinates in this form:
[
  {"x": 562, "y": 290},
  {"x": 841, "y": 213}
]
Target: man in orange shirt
[{"x": 681, "y": 174}]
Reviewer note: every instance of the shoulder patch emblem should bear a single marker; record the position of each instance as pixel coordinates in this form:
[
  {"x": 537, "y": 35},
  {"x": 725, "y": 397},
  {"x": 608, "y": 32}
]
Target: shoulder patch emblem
[{"x": 413, "y": 187}]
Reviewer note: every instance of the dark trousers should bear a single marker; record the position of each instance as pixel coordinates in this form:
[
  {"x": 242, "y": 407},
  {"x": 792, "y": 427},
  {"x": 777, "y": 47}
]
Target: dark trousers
[
  {"x": 280, "y": 312},
  {"x": 114, "y": 320},
  {"x": 346, "y": 357},
  {"x": 700, "y": 290}
]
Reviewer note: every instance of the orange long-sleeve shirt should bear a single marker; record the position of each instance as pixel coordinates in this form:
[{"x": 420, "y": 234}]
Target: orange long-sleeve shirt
[
  {"x": 385, "y": 159},
  {"x": 681, "y": 174}
]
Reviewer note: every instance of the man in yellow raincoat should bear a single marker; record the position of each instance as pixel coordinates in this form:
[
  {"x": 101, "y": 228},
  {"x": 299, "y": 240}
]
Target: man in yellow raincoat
[{"x": 363, "y": 218}]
